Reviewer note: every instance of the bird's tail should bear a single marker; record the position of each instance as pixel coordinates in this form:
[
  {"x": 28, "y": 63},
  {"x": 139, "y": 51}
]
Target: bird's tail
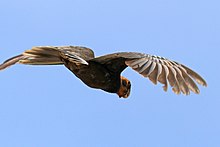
[{"x": 36, "y": 56}]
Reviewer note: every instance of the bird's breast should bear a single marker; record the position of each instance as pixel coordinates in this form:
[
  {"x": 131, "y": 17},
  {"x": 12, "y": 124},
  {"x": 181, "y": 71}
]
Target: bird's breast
[{"x": 96, "y": 75}]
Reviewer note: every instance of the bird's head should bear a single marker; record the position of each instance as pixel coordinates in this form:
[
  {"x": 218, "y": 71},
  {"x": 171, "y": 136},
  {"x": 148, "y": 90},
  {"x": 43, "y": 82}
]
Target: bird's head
[{"x": 125, "y": 88}]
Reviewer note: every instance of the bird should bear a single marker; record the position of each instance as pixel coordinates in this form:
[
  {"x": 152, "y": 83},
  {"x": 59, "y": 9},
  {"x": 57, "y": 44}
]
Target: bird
[{"x": 104, "y": 72}]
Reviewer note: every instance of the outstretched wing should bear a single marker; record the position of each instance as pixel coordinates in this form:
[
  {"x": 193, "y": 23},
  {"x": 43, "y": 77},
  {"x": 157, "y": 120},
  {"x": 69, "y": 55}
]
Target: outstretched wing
[
  {"x": 51, "y": 55},
  {"x": 180, "y": 77}
]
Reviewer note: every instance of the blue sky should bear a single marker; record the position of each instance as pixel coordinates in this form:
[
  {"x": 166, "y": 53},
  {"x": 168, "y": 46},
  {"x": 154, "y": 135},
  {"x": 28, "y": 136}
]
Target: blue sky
[{"x": 43, "y": 106}]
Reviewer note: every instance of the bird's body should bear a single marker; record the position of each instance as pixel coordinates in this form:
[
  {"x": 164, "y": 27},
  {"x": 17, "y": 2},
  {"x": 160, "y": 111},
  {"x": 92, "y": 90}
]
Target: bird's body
[
  {"x": 104, "y": 72},
  {"x": 95, "y": 75}
]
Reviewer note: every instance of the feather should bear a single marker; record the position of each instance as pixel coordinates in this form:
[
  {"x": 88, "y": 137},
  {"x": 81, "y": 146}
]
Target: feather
[
  {"x": 145, "y": 66},
  {"x": 166, "y": 73},
  {"x": 11, "y": 61},
  {"x": 73, "y": 58},
  {"x": 182, "y": 84},
  {"x": 189, "y": 82},
  {"x": 135, "y": 63},
  {"x": 159, "y": 71},
  {"x": 152, "y": 67},
  {"x": 195, "y": 76}
]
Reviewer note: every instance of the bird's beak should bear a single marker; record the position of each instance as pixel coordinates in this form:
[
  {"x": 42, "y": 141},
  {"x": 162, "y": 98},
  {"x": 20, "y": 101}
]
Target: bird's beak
[
  {"x": 123, "y": 94},
  {"x": 127, "y": 94}
]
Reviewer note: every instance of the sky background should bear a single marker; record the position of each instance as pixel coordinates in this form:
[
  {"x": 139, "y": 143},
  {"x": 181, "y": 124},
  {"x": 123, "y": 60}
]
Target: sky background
[{"x": 43, "y": 106}]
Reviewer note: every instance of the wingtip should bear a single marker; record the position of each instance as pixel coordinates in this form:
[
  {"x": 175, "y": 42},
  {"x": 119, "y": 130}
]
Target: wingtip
[
  {"x": 10, "y": 61},
  {"x": 205, "y": 84}
]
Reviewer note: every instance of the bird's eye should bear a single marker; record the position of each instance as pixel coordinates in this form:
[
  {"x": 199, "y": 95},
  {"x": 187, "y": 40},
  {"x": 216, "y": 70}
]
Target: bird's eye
[
  {"x": 124, "y": 83},
  {"x": 129, "y": 83}
]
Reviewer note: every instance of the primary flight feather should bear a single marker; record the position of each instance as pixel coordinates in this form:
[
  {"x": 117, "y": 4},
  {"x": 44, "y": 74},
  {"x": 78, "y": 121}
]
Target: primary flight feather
[{"x": 104, "y": 72}]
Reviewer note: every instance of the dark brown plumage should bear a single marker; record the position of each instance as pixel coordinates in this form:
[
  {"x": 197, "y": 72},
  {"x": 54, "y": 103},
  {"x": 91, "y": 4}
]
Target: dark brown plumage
[{"x": 104, "y": 72}]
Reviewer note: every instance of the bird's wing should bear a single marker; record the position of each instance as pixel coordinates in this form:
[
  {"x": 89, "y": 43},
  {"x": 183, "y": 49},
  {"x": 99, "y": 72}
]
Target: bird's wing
[
  {"x": 72, "y": 57},
  {"x": 51, "y": 55},
  {"x": 82, "y": 52},
  {"x": 116, "y": 62},
  {"x": 78, "y": 52},
  {"x": 180, "y": 77}
]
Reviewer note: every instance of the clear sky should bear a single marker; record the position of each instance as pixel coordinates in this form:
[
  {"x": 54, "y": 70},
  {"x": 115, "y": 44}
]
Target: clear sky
[{"x": 43, "y": 106}]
